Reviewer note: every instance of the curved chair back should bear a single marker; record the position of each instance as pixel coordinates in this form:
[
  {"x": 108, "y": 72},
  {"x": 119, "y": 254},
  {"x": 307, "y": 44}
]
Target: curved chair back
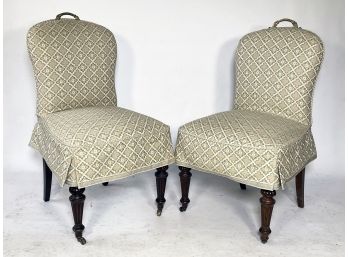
[
  {"x": 74, "y": 64},
  {"x": 276, "y": 70}
]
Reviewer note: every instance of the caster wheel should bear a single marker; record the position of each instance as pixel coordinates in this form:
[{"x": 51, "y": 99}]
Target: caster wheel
[
  {"x": 183, "y": 208},
  {"x": 82, "y": 240},
  {"x": 264, "y": 240}
]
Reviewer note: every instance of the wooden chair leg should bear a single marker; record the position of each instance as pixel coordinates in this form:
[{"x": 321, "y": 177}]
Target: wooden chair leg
[
  {"x": 300, "y": 181},
  {"x": 242, "y": 186},
  {"x": 77, "y": 200},
  {"x": 105, "y": 183},
  {"x": 161, "y": 180},
  {"x": 185, "y": 178},
  {"x": 47, "y": 182},
  {"x": 267, "y": 203}
]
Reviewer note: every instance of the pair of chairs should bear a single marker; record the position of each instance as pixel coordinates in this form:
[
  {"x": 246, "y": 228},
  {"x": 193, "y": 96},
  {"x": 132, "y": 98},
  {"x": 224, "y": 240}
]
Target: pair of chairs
[{"x": 85, "y": 139}]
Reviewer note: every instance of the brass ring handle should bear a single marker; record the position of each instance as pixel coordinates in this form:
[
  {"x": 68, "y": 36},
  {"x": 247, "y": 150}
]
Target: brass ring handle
[
  {"x": 294, "y": 23},
  {"x": 59, "y": 16}
]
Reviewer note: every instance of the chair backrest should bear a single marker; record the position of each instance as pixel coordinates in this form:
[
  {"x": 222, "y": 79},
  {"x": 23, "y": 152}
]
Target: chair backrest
[
  {"x": 74, "y": 64},
  {"x": 276, "y": 70}
]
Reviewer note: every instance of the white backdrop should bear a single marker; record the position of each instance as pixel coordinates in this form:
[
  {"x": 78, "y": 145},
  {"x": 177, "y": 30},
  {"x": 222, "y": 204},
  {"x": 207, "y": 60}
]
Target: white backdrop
[{"x": 175, "y": 63}]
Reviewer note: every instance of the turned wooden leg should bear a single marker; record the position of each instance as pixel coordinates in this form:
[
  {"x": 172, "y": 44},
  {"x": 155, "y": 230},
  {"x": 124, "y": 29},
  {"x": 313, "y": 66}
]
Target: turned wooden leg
[
  {"x": 77, "y": 200},
  {"x": 242, "y": 186},
  {"x": 47, "y": 181},
  {"x": 267, "y": 203},
  {"x": 185, "y": 177},
  {"x": 105, "y": 183},
  {"x": 161, "y": 179},
  {"x": 300, "y": 180}
]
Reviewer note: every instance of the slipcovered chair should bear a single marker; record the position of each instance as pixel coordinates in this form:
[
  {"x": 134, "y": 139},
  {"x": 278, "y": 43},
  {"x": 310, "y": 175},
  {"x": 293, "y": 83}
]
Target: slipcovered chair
[
  {"x": 83, "y": 137},
  {"x": 266, "y": 139}
]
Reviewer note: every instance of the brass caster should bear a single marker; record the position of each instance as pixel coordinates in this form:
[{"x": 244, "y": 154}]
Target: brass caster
[
  {"x": 82, "y": 240},
  {"x": 264, "y": 235},
  {"x": 264, "y": 239},
  {"x": 183, "y": 207},
  {"x": 159, "y": 208},
  {"x": 159, "y": 212}
]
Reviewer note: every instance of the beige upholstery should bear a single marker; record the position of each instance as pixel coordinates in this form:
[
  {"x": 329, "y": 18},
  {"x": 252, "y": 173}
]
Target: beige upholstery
[
  {"x": 81, "y": 133},
  {"x": 74, "y": 64},
  {"x": 266, "y": 139}
]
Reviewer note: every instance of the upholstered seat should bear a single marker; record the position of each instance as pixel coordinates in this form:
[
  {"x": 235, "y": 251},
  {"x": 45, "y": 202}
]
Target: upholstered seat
[
  {"x": 251, "y": 147},
  {"x": 100, "y": 144},
  {"x": 266, "y": 139}
]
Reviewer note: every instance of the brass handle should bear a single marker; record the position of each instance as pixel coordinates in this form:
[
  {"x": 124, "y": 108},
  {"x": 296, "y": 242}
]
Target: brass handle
[
  {"x": 59, "y": 16},
  {"x": 294, "y": 23}
]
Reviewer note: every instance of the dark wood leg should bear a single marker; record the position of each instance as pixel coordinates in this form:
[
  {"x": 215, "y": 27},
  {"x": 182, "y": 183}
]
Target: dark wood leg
[
  {"x": 105, "y": 183},
  {"x": 267, "y": 203},
  {"x": 77, "y": 200},
  {"x": 300, "y": 180},
  {"x": 47, "y": 181},
  {"x": 242, "y": 186},
  {"x": 185, "y": 178},
  {"x": 161, "y": 179}
]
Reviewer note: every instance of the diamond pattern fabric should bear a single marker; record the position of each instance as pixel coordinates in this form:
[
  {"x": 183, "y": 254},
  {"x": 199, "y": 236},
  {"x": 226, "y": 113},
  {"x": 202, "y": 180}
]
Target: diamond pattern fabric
[
  {"x": 266, "y": 139},
  {"x": 91, "y": 145},
  {"x": 74, "y": 64},
  {"x": 246, "y": 146},
  {"x": 83, "y": 136},
  {"x": 276, "y": 70}
]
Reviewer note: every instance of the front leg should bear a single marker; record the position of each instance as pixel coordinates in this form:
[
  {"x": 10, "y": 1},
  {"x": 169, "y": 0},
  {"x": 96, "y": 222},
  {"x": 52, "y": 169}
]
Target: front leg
[
  {"x": 267, "y": 203},
  {"x": 77, "y": 200},
  {"x": 161, "y": 179},
  {"x": 185, "y": 177}
]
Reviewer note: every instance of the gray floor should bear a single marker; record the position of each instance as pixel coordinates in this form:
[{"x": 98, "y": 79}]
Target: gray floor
[{"x": 221, "y": 220}]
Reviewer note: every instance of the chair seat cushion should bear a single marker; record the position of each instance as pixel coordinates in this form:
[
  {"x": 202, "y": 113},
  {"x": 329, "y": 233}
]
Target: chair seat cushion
[
  {"x": 250, "y": 147},
  {"x": 86, "y": 146}
]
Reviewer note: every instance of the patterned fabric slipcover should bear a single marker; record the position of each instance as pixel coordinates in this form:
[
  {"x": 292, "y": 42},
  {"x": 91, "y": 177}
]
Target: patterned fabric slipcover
[
  {"x": 83, "y": 136},
  {"x": 266, "y": 139}
]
